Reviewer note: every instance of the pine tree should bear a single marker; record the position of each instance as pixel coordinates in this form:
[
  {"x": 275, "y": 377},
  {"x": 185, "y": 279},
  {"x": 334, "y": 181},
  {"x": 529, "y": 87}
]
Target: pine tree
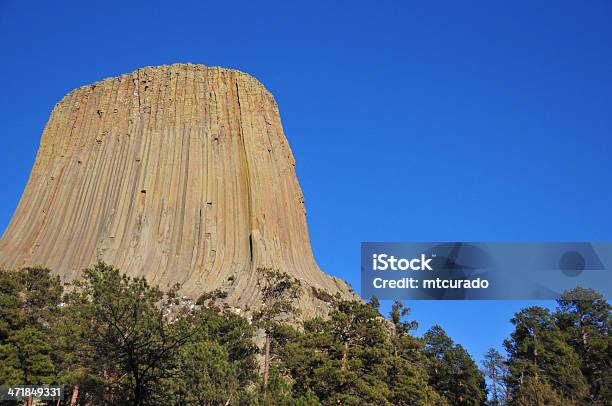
[
  {"x": 72, "y": 350},
  {"x": 130, "y": 339},
  {"x": 452, "y": 372},
  {"x": 235, "y": 334},
  {"x": 356, "y": 357},
  {"x": 398, "y": 313},
  {"x": 537, "y": 349},
  {"x": 201, "y": 373},
  {"x": 407, "y": 375},
  {"x": 537, "y": 392},
  {"x": 279, "y": 291},
  {"x": 496, "y": 370},
  {"x": 342, "y": 359},
  {"x": 42, "y": 294},
  {"x": 29, "y": 299},
  {"x": 583, "y": 316},
  {"x": 12, "y": 318},
  {"x": 34, "y": 353}
]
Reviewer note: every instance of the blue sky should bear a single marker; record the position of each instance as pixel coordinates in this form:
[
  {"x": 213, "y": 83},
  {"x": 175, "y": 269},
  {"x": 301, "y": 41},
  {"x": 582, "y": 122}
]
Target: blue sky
[{"x": 409, "y": 121}]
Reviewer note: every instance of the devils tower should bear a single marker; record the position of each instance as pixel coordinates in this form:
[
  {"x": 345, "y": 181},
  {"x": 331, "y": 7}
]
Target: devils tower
[{"x": 181, "y": 174}]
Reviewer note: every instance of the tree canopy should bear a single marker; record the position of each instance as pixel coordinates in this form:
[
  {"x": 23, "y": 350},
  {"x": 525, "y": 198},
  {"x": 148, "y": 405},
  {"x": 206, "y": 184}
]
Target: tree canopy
[{"x": 111, "y": 339}]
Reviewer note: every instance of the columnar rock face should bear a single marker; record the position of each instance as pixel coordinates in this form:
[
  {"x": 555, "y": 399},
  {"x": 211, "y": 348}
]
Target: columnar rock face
[{"x": 180, "y": 173}]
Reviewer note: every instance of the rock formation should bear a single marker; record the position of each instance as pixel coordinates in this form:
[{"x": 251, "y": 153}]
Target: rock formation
[{"x": 181, "y": 174}]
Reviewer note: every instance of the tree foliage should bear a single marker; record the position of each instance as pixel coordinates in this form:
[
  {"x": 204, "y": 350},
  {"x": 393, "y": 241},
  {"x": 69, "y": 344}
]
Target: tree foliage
[
  {"x": 583, "y": 316},
  {"x": 537, "y": 349},
  {"x": 115, "y": 340},
  {"x": 452, "y": 372},
  {"x": 495, "y": 369},
  {"x": 28, "y": 301}
]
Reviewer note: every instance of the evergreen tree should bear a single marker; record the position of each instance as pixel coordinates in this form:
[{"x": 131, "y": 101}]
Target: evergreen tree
[
  {"x": 407, "y": 375},
  {"x": 116, "y": 340},
  {"x": 408, "y": 384},
  {"x": 42, "y": 294},
  {"x": 279, "y": 291},
  {"x": 342, "y": 360},
  {"x": 583, "y": 316},
  {"x": 29, "y": 299},
  {"x": 235, "y": 335},
  {"x": 496, "y": 370},
  {"x": 537, "y": 392},
  {"x": 11, "y": 319},
  {"x": 398, "y": 314},
  {"x": 350, "y": 359},
  {"x": 201, "y": 374},
  {"x": 404, "y": 343},
  {"x": 452, "y": 372},
  {"x": 130, "y": 340},
  {"x": 12, "y": 312},
  {"x": 279, "y": 392},
  {"x": 72, "y": 354},
  {"x": 537, "y": 349}
]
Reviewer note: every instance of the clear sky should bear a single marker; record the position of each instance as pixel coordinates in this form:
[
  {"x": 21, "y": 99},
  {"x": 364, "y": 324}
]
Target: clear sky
[{"x": 409, "y": 121}]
